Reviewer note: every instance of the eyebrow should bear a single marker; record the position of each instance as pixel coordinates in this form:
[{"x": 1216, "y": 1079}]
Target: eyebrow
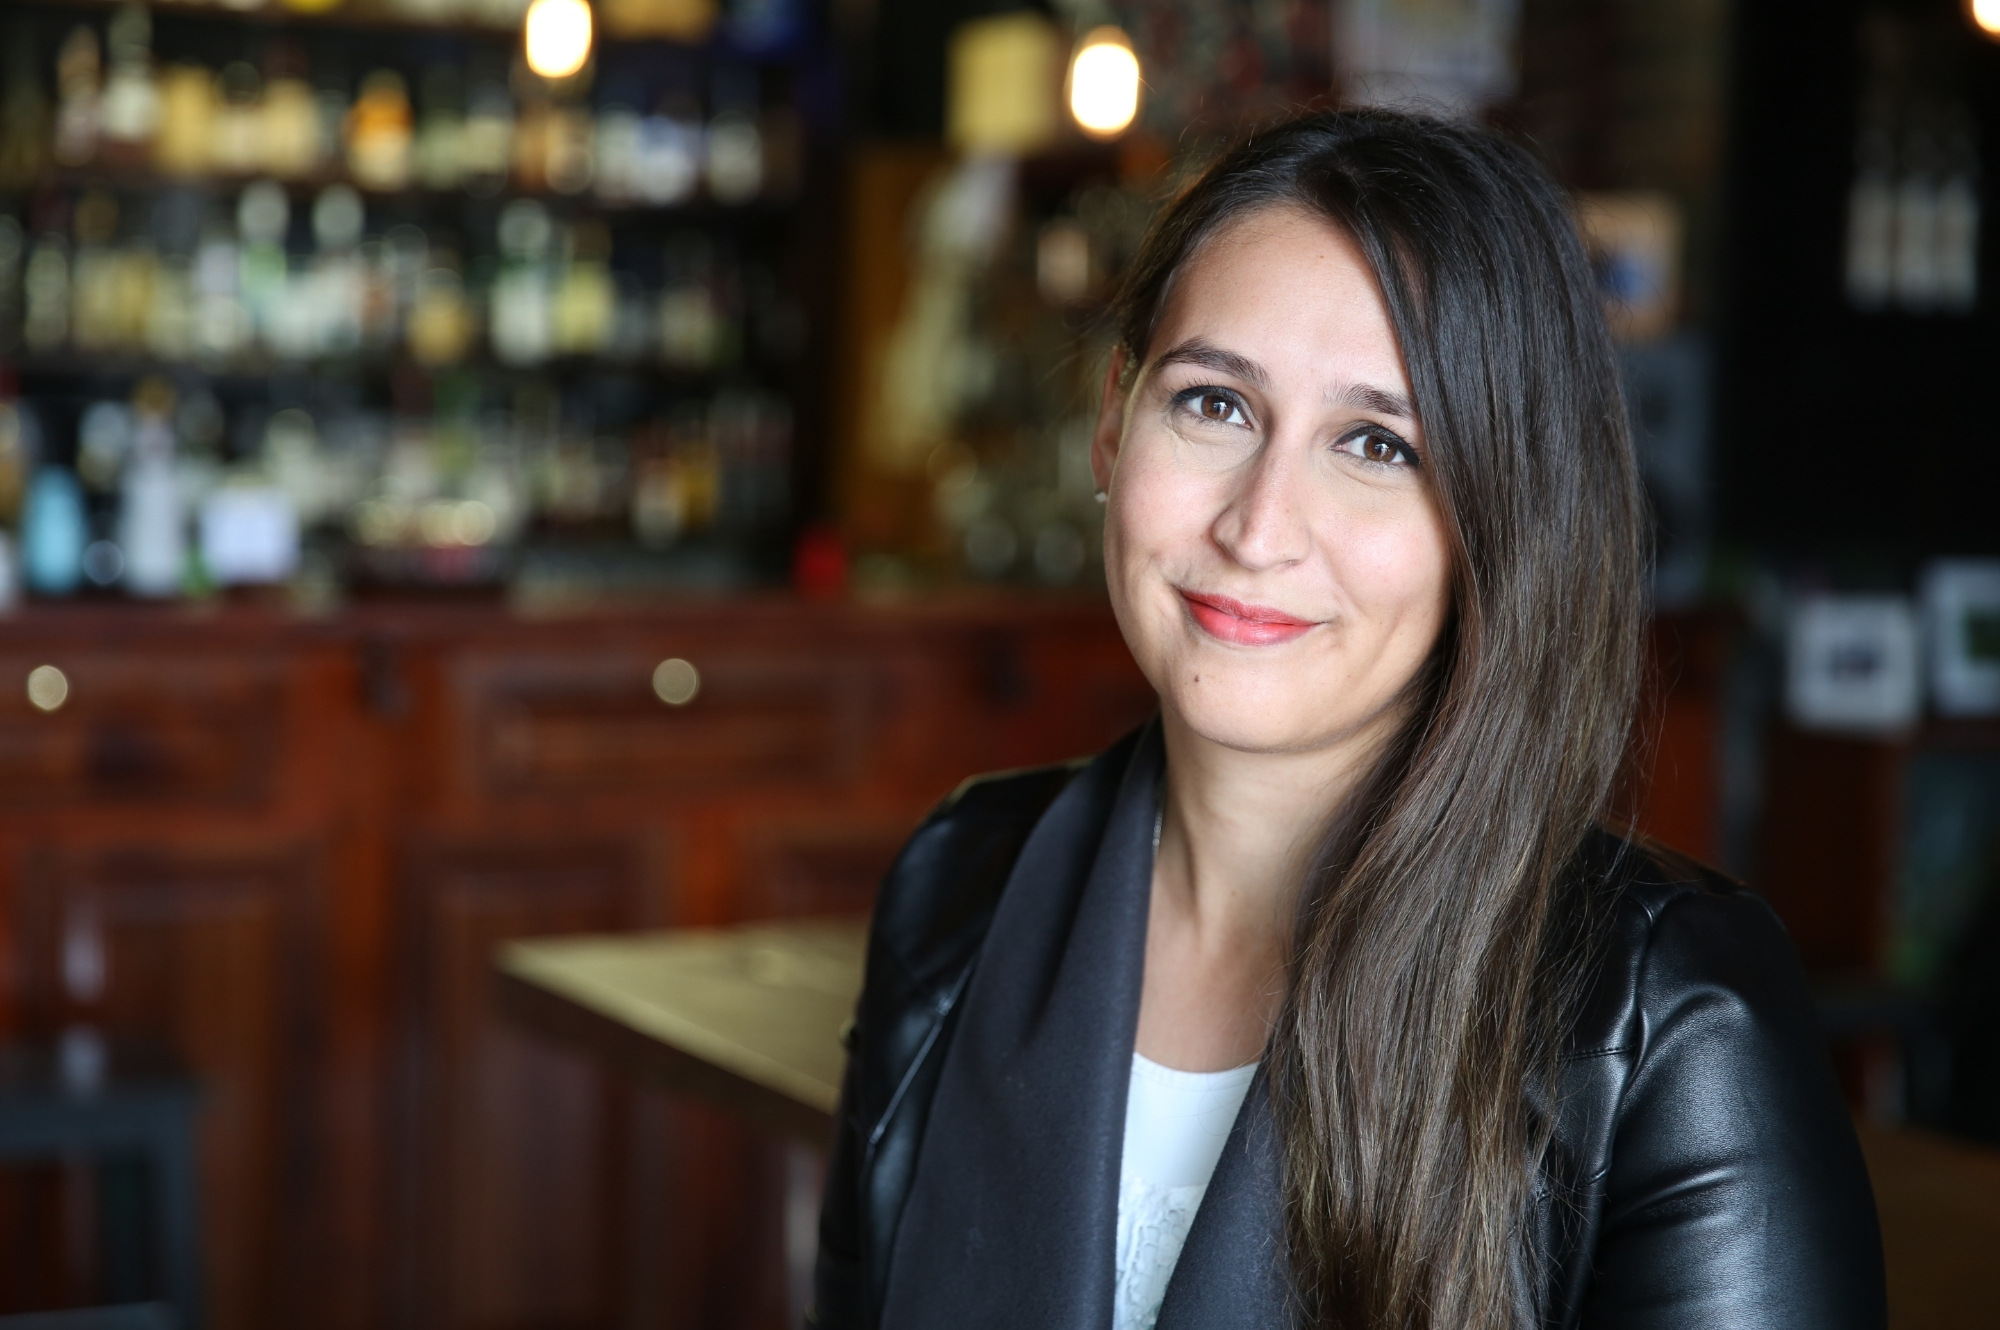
[
  {"x": 1195, "y": 351},
  {"x": 1360, "y": 396}
]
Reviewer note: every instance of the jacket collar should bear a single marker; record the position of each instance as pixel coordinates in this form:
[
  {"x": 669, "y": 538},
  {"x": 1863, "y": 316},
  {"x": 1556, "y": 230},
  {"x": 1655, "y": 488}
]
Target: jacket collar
[{"x": 1013, "y": 1209}]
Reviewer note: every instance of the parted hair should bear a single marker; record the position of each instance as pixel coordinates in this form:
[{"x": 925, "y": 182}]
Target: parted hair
[{"x": 1444, "y": 931}]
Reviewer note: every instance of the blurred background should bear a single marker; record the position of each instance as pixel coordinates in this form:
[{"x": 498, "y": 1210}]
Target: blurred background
[{"x": 472, "y": 471}]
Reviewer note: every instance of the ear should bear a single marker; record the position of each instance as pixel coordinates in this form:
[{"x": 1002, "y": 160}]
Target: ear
[{"x": 1110, "y": 430}]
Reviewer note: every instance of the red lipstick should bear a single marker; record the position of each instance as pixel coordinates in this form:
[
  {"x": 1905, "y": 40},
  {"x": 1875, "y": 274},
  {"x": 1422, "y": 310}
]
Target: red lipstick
[{"x": 1242, "y": 624}]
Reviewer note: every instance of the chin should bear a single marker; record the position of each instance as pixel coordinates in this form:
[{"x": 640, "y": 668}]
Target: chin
[{"x": 1235, "y": 715}]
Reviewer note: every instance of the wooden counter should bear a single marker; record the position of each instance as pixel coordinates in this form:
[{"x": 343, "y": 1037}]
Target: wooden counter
[{"x": 289, "y": 848}]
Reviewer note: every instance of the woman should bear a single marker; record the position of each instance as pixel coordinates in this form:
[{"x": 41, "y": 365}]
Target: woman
[{"x": 1323, "y": 1000}]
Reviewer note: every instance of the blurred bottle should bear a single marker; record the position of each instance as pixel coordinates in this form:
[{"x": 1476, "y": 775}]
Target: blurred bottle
[
  {"x": 694, "y": 331},
  {"x": 94, "y": 276},
  {"x": 570, "y": 163},
  {"x": 54, "y": 531},
  {"x": 669, "y": 165},
  {"x": 619, "y": 145},
  {"x": 520, "y": 317},
  {"x": 1958, "y": 222},
  {"x": 338, "y": 284},
  {"x": 440, "y": 325},
  {"x": 185, "y": 145},
  {"x": 378, "y": 133},
  {"x": 237, "y": 145},
  {"x": 131, "y": 109},
  {"x": 585, "y": 299},
  {"x": 292, "y": 141},
  {"x": 221, "y": 325},
  {"x": 489, "y": 135},
  {"x": 152, "y": 525},
  {"x": 735, "y": 138},
  {"x": 440, "y": 142},
  {"x": 45, "y": 292},
  {"x": 1916, "y": 253},
  {"x": 263, "y": 214},
  {"x": 78, "y": 98}
]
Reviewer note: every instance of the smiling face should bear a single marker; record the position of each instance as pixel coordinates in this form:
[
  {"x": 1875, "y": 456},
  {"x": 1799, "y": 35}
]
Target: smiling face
[{"x": 1273, "y": 548}]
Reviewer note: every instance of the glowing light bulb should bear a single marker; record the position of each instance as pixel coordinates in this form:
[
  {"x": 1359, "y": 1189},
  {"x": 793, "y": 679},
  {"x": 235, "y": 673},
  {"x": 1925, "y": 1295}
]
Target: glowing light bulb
[
  {"x": 557, "y": 36},
  {"x": 1986, "y": 13},
  {"x": 1104, "y": 82}
]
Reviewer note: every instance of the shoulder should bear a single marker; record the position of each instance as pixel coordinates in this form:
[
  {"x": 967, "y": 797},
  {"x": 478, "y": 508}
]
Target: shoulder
[
  {"x": 1701, "y": 1110},
  {"x": 939, "y": 894},
  {"x": 1671, "y": 931}
]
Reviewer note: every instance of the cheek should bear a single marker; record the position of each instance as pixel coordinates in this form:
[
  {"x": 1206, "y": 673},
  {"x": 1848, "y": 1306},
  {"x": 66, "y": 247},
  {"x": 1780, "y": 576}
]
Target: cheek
[{"x": 1402, "y": 573}]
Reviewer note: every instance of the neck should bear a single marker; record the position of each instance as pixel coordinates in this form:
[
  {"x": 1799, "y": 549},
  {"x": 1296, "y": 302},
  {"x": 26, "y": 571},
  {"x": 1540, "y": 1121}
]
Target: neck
[{"x": 1239, "y": 830}]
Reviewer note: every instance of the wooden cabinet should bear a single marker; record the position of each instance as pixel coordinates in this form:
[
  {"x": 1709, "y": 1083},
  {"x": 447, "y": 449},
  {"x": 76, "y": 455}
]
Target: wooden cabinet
[{"x": 287, "y": 849}]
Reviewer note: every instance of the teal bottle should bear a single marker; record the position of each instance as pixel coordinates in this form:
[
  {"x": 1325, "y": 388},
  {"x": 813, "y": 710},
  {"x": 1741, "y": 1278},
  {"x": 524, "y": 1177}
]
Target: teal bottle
[{"x": 54, "y": 532}]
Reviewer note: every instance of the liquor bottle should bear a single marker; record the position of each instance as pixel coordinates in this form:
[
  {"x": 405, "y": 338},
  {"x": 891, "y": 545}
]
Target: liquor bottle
[
  {"x": 440, "y": 141},
  {"x": 152, "y": 524},
  {"x": 378, "y": 133},
  {"x": 292, "y": 141},
  {"x": 1958, "y": 222},
  {"x": 78, "y": 94},
  {"x": 488, "y": 140},
  {"x": 185, "y": 145},
  {"x": 237, "y": 147},
  {"x": 54, "y": 531},
  {"x": 45, "y": 291},
  {"x": 519, "y": 322},
  {"x": 131, "y": 108},
  {"x": 735, "y": 139}
]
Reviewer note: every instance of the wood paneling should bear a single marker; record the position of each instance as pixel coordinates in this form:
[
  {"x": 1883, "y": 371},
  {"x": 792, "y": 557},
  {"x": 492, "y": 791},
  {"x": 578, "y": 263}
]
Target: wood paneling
[
  {"x": 288, "y": 848},
  {"x": 515, "y": 1155},
  {"x": 200, "y": 728},
  {"x": 203, "y": 948},
  {"x": 568, "y": 725}
]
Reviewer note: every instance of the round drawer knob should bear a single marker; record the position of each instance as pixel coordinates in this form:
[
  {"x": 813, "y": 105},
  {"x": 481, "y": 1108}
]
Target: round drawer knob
[
  {"x": 48, "y": 688},
  {"x": 676, "y": 682}
]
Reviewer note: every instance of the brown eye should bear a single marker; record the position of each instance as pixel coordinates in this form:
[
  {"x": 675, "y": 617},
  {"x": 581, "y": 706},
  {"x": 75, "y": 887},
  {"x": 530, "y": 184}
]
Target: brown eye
[
  {"x": 1215, "y": 406},
  {"x": 1378, "y": 449}
]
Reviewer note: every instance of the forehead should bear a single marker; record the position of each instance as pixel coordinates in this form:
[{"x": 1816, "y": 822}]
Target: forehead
[{"x": 1287, "y": 288}]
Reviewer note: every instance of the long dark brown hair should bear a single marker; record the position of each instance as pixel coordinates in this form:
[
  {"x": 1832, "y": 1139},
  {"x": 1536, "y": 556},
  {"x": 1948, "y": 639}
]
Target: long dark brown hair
[{"x": 1442, "y": 934}]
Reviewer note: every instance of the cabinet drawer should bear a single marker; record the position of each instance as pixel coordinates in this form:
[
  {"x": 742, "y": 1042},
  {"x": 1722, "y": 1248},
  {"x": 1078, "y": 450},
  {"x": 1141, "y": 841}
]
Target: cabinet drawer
[
  {"x": 605, "y": 724},
  {"x": 79, "y": 726}
]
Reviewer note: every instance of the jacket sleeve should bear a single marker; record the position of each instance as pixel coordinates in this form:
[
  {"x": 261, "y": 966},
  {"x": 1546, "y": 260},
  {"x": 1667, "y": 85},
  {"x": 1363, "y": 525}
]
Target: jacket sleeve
[
  {"x": 839, "y": 1278},
  {"x": 1736, "y": 1198}
]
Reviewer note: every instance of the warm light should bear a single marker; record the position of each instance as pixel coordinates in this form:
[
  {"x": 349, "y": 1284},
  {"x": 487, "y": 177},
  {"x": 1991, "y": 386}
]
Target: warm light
[
  {"x": 1104, "y": 82},
  {"x": 557, "y": 34},
  {"x": 1986, "y": 13}
]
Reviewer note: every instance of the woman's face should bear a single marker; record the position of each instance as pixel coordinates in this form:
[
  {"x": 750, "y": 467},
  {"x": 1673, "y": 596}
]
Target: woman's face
[{"x": 1274, "y": 550}]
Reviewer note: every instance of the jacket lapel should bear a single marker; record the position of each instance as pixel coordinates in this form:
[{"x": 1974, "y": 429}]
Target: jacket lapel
[
  {"x": 1234, "y": 1273},
  {"x": 1013, "y": 1209}
]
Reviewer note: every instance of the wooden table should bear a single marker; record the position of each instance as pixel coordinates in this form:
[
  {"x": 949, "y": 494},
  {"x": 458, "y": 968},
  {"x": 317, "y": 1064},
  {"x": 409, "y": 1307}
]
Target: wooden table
[{"x": 748, "y": 1017}]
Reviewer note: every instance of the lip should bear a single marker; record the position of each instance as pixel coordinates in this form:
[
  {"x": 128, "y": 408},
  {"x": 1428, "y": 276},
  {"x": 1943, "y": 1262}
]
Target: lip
[{"x": 1242, "y": 624}]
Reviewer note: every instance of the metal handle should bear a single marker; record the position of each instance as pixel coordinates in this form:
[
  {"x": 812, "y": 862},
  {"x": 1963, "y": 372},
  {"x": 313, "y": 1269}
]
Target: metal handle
[
  {"x": 48, "y": 688},
  {"x": 676, "y": 681}
]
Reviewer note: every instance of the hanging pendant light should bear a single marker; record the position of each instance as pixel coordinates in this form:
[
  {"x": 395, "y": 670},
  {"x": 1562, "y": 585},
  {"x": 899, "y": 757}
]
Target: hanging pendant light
[
  {"x": 557, "y": 36},
  {"x": 1104, "y": 82}
]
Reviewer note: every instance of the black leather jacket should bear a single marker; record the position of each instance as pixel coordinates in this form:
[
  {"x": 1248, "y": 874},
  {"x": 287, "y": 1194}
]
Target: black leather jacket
[{"x": 1703, "y": 1172}]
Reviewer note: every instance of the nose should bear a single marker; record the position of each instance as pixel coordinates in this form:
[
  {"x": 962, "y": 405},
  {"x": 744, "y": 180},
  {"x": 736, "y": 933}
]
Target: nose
[{"x": 1263, "y": 526}]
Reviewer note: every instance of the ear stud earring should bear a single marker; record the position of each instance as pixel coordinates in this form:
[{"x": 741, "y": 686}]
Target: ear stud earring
[{"x": 1102, "y": 497}]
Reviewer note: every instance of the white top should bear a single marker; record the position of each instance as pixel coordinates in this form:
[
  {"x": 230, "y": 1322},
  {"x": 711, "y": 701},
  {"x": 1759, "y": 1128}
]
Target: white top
[{"x": 1175, "y": 1125}]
